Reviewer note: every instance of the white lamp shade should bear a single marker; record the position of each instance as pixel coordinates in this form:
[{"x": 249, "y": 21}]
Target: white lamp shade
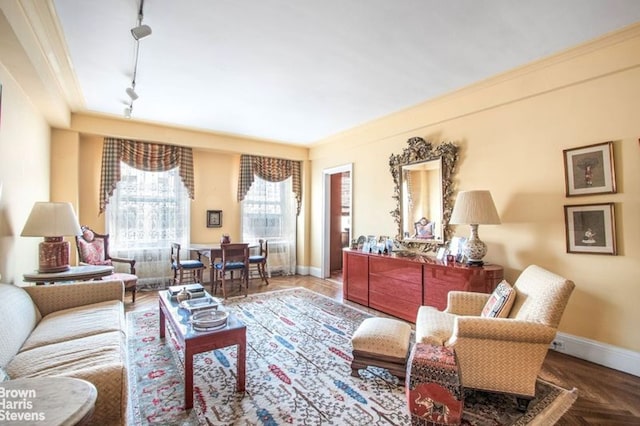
[
  {"x": 51, "y": 219},
  {"x": 474, "y": 208}
]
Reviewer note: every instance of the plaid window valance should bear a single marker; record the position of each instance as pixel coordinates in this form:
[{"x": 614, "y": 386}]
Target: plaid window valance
[
  {"x": 150, "y": 157},
  {"x": 269, "y": 169}
]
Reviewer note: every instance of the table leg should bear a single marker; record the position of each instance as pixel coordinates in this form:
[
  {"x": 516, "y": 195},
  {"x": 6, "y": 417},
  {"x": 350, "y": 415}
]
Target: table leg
[
  {"x": 162, "y": 320},
  {"x": 242, "y": 362},
  {"x": 188, "y": 379}
]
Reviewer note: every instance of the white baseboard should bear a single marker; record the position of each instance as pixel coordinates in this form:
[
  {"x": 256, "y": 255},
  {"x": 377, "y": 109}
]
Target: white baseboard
[
  {"x": 302, "y": 270},
  {"x": 314, "y": 272},
  {"x": 600, "y": 353}
]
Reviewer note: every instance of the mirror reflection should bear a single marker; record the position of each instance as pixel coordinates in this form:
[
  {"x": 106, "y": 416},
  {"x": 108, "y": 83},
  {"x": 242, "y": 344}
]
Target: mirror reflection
[
  {"x": 421, "y": 203},
  {"x": 423, "y": 190}
]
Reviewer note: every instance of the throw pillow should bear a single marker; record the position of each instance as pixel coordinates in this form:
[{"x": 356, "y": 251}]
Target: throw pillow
[
  {"x": 500, "y": 303},
  {"x": 4, "y": 377}
]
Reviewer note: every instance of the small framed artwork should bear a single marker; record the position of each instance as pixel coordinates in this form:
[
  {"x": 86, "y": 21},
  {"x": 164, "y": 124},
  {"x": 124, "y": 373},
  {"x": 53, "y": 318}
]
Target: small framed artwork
[
  {"x": 214, "y": 218},
  {"x": 589, "y": 170},
  {"x": 441, "y": 253},
  {"x": 590, "y": 228}
]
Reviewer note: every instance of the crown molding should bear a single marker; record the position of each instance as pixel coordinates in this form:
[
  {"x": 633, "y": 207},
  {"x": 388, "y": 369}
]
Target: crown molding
[{"x": 41, "y": 18}]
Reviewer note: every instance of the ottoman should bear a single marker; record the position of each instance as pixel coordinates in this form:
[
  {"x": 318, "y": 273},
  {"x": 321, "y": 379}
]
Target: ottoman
[
  {"x": 381, "y": 342},
  {"x": 434, "y": 387}
]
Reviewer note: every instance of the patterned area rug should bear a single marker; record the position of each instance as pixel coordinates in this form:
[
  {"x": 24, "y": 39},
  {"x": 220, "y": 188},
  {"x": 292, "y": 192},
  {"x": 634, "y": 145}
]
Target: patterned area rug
[{"x": 298, "y": 372}]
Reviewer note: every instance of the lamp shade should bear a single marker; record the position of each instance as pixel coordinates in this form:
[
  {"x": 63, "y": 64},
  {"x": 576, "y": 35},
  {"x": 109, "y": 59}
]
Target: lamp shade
[
  {"x": 474, "y": 207},
  {"x": 51, "y": 219}
]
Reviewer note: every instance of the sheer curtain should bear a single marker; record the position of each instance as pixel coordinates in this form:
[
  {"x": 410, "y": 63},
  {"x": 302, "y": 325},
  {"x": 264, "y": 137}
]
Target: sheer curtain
[
  {"x": 148, "y": 211},
  {"x": 269, "y": 212}
]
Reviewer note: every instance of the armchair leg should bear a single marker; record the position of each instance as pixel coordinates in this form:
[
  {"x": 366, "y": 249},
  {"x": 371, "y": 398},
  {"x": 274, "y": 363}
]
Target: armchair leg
[
  {"x": 133, "y": 295},
  {"x": 523, "y": 403}
]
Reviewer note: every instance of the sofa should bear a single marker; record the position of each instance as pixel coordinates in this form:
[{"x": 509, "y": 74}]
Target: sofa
[{"x": 68, "y": 330}]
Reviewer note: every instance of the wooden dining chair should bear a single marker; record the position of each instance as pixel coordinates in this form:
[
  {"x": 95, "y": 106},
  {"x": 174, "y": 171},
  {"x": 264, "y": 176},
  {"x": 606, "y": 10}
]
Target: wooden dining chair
[
  {"x": 185, "y": 270},
  {"x": 235, "y": 257},
  {"x": 260, "y": 260}
]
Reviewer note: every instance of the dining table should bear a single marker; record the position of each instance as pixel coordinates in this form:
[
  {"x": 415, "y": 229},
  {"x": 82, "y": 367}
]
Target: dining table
[{"x": 212, "y": 251}]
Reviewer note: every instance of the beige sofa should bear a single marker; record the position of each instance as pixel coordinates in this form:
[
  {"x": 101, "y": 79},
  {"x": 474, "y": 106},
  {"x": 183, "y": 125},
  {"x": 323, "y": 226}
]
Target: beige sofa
[{"x": 69, "y": 330}]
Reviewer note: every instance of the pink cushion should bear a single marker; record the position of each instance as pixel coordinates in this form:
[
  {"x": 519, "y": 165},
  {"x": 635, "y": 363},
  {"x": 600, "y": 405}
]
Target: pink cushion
[
  {"x": 93, "y": 252},
  {"x": 501, "y": 300}
]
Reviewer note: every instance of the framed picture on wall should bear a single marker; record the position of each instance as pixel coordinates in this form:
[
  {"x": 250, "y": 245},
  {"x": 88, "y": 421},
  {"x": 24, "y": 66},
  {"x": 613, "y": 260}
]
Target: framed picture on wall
[
  {"x": 214, "y": 218},
  {"x": 589, "y": 170},
  {"x": 590, "y": 228}
]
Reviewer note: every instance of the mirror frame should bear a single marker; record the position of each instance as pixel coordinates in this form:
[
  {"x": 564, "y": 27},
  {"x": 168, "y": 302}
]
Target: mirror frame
[{"x": 419, "y": 150}]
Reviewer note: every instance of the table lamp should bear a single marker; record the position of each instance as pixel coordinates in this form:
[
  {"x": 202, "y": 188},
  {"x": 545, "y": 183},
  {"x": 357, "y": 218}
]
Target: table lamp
[
  {"x": 53, "y": 221},
  {"x": 474, "y": 208}
]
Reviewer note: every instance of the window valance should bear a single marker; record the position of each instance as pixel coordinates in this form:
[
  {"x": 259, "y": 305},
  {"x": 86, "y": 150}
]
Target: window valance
[
  {"x": 145, "y": 156},
  {"x": 272, "y": 170}
]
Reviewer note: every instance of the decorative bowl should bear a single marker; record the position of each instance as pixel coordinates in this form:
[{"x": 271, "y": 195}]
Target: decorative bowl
[{"x": 209, "y": 319}]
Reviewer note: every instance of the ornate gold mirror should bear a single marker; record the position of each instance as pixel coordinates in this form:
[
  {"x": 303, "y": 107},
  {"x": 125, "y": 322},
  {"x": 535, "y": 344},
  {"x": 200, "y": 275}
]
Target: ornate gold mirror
[{"x": 423, "y": 191}]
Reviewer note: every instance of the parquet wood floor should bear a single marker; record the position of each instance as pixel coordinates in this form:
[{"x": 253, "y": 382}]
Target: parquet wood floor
[{"x": 606, "y": 396}]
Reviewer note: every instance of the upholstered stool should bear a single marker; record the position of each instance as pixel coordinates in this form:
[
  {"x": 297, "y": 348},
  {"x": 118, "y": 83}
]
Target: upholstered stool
[
  {"x": 434, "y": 387},
  {"x": 130, "y": 282},
  {"x": 381, "y": 342}
]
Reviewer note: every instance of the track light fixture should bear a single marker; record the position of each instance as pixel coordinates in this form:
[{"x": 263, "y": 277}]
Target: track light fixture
[
  {"x": 138, "y": 32},
  {"x": 132, "y": 93},
  {"x": 141, "y": 31}
]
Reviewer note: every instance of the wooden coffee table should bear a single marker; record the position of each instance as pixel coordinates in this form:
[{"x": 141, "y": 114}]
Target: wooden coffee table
[{"x": 194, "y": 342}]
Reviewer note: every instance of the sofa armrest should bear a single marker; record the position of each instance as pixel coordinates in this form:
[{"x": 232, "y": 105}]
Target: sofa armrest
[
  {"x": 52, "y": 298},
  {"x": 466, "y": 302},
  {"x": 504, "y": 329}
]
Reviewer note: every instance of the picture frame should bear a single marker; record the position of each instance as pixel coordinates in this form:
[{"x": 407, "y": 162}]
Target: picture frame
[
  {"x": 214, "y": 218},
  {"x": 590, "y": 228},
  {"x": 441, "y": 253},
  {"x": 589, "y": 170}
]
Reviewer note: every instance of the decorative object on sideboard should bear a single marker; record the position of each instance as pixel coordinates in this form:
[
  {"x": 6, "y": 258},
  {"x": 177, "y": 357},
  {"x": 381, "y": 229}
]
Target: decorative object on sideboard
[
  {"x": 225, "y": 239},
  {"x": 474, "y": 208},
  {"x": 589, "y": 170},
  {"x": 214, "y": 218},
  {"x": 421, "y": 163},
  {"x": 53, "y": 221},
  {"x": 590, "y": 228}
]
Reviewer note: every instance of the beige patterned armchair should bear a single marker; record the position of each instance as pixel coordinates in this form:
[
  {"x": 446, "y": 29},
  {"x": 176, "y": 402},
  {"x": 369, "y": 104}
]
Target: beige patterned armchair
[{"x": 500, "y": 354}]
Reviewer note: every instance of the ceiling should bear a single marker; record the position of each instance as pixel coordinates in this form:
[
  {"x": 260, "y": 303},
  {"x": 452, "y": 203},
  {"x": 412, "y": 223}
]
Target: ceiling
[{"x": 300, "y": 71}]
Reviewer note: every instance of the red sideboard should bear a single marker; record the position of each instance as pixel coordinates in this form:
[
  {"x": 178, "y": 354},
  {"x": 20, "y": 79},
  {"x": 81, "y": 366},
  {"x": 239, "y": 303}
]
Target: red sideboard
[{"x": 399, "y": 285}]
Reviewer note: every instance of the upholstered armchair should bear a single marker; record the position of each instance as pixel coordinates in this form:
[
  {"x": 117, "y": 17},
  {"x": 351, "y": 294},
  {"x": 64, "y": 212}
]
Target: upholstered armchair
[
  {"x": 93, "y": 249},
  {"x": 500, "y": 354}
]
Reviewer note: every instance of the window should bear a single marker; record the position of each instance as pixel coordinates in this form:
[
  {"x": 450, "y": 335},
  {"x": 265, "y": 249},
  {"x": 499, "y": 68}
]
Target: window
[
  {"x": 269, "y": 213},
  {"x": 148, "y": 211}
]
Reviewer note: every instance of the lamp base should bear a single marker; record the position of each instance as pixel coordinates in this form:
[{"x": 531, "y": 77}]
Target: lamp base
[
  {"x": 53, "y": 255},
  {"x": 474, "y": 249}
]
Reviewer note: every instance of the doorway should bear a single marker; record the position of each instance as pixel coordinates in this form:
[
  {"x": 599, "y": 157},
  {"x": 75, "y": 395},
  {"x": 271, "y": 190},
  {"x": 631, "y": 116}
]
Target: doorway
[{"x": 337, "y": 219}]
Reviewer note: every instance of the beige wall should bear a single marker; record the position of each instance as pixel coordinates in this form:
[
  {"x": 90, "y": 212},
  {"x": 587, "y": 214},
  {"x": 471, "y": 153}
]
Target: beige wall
[
  {"x": 24, "y": 176},
  {"x": 511, "y": 131},
  {"x": 216, "y": 167}
]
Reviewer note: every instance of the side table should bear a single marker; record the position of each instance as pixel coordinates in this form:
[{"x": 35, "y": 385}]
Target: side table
[
  {"x": 433, "y": 386},
  {"x": 75, "y": 273},
  {"x": 54, "y": 401}
]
